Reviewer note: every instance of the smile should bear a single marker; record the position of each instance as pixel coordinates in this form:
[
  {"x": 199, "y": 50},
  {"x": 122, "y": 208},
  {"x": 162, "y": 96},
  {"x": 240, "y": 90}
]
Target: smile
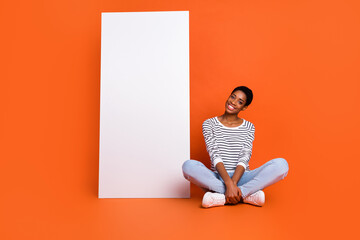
[{"x": 230, "y": 107}]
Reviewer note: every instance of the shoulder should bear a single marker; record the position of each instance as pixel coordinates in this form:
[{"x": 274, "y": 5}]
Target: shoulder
[
  {"x": 210, "y": 122},
  {"x": 249, "y": 125}
]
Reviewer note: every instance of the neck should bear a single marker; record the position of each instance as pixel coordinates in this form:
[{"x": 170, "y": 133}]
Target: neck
[{"x": 229, "y": 117}]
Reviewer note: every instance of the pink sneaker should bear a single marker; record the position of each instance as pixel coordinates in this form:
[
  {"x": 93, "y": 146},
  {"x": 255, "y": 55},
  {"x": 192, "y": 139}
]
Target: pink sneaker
[
  {"x": 211, "y": 199},
  {"x": 257, "y": 198}
]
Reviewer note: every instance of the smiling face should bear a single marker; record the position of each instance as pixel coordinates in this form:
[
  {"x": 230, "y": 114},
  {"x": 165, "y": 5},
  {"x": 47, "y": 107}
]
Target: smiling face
[{"x": 236, "y": 102}]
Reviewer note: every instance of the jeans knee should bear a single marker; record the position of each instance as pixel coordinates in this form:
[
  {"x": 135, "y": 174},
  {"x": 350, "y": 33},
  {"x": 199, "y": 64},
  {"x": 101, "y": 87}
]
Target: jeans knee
[
  {"x": 282, "y": 166},
  {"x": 187, "y": 166}
]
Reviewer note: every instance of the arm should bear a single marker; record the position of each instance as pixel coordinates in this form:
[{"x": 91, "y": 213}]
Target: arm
[
  {"x": 210, "y": 142},
  {"x": 245, "y": 155},
  {"x": 244, "y": 158},
  {"x": 239, "y": 171},
  {"x": 232, "y": 193}
]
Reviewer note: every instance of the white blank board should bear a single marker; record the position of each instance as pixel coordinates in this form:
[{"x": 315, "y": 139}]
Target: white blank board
[{"x": 144, "y": 105}]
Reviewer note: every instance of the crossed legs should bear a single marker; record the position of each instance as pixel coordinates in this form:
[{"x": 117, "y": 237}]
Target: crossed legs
[{"x": 251, "y": 181}]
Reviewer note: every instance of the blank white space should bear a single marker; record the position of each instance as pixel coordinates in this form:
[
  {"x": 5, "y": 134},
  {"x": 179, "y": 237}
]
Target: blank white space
[{"x": 144, "y": 105}]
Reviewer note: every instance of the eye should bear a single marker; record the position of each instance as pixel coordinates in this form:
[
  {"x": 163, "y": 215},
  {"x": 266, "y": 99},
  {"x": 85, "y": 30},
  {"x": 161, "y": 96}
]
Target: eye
[
  {"x": 232, "y": 96},
  {"x": 240, "y": 102}
]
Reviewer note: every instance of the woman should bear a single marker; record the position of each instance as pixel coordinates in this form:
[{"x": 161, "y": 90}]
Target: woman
[{"x": 229, "y": 141}]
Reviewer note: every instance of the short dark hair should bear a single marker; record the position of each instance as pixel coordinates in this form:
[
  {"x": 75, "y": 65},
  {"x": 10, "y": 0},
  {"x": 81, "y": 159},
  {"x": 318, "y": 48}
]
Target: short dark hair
[{"x": 248, "y": 93}]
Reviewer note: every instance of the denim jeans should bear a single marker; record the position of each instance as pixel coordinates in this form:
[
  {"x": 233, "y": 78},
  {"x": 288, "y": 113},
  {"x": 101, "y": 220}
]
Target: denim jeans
[{"x": 250, "y": 182}]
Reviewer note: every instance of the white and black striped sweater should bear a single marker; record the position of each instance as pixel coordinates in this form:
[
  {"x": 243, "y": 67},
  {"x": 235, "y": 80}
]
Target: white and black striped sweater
[{"x": 230, "y": 145}]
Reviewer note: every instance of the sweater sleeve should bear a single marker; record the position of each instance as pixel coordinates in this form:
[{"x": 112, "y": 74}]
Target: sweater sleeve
[
  {"x": 245, "y": 155},
  {"x": 210, "y": 142}
]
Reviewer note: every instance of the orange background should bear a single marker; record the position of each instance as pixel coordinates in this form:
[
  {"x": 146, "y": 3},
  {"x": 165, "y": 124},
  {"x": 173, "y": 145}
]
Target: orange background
[{"x": 301, "y": 58}]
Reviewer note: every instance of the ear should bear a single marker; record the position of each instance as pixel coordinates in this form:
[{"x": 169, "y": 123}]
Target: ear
[{"x": 244, "y": 108}]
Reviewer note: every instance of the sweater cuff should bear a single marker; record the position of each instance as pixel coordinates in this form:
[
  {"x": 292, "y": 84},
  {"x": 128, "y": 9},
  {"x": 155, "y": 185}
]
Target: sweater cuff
[
  {"x": 216, "y": 161},
  {"x": 242, "y": 164}
]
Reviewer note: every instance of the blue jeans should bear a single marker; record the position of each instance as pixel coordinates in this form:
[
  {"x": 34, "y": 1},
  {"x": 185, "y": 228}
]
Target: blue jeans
[{"x": 250, "y": 182}]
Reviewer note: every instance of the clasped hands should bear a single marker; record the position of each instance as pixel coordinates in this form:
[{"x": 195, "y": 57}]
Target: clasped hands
[{"x": 232, "y": 193}]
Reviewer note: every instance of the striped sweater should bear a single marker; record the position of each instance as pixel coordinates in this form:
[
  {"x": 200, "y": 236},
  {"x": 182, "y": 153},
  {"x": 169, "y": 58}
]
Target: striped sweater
[{"x": 230, "y": 145}]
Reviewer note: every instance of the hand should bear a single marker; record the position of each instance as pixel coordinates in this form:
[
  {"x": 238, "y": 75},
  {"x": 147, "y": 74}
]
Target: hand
[{"x": 232, "y": 193}]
